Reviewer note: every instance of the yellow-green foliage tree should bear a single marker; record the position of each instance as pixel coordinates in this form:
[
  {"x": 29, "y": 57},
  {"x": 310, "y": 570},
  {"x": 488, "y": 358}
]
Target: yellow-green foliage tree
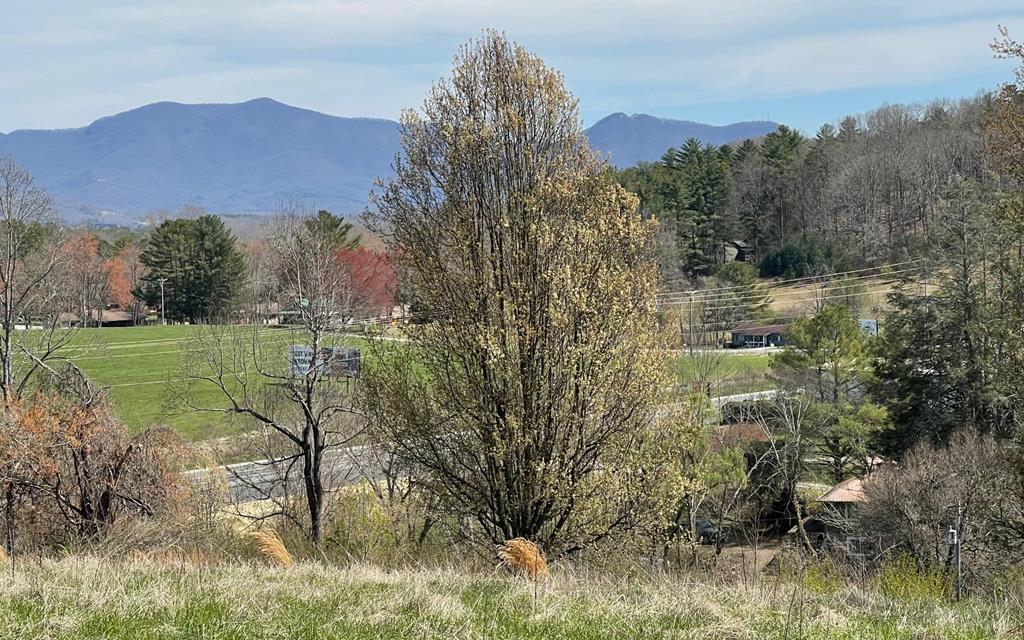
[
  {"x": 533, "y": 376},
  {"x": 696, "y": 473}
]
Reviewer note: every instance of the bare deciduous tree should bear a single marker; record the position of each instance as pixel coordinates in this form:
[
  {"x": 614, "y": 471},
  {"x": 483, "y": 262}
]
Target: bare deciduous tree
[
  {"x": 303, "y": 410},
  {"x": 31, "y": 294}
]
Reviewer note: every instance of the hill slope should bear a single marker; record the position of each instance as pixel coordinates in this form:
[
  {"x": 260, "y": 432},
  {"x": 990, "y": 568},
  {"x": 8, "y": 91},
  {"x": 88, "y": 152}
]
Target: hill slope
[
  {"x": 252, "y": 156},
  {"x": 117, "y": 598},
  {"x": 639, "y": 137},
  {"x": 227, "y": 158}
]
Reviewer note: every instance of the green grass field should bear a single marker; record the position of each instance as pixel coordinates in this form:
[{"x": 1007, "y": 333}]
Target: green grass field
[
  {"x": 139, "y": 365},
  {"x": 87, "y": 598},
  {"x": 732, "y": 372}
]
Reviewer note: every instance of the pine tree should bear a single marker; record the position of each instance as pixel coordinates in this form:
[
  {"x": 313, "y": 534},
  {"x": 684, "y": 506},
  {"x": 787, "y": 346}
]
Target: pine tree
[{"x": 203, "y": 269}]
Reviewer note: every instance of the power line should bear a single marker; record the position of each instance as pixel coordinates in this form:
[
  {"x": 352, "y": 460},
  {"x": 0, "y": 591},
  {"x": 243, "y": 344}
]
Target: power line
[
  {"x": 812, "y": 299},
  {"x": 801, "y": 279},
  {"x": 753, "y": 292}
]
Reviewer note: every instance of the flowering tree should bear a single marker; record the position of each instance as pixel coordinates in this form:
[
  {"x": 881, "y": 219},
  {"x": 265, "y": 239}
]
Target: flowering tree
[{"x": 523, "y": 396}]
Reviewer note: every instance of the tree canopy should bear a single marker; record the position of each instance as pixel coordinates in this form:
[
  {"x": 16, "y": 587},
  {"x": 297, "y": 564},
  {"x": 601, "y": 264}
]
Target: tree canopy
[{"x": 203, "y": 268}]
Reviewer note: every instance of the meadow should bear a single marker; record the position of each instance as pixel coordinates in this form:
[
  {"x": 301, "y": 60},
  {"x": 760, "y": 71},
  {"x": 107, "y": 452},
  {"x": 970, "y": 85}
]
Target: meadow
[
  {"x": 139, "y": 366},
  {"x": 90, "y": 597}
]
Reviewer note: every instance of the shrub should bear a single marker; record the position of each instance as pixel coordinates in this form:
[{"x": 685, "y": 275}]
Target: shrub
[
  {"x": 792, "y": 262},
  {"x": 76, "y": 471}
]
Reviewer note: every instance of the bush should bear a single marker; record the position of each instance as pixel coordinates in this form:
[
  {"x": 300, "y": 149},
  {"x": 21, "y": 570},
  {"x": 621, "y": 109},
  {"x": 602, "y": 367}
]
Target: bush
[
  {"x": 792, "y": 261},
  {"x": 71, "y": 471}
]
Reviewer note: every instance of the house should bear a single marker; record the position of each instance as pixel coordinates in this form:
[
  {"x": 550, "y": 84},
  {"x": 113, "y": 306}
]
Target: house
[
  {"x": 835, "y": 525},
  {"x": 111, "y": 318},
  {"x": 67, "y": 320},
  {"x": 100, "y": 318},
  {"x": 765, "y": 335},
  {"x": 736, "y": 251}
]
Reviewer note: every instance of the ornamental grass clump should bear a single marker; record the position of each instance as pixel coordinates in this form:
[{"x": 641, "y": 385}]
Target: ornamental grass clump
[
  {"x": 270, "y": 547},
  {"x": 524, "y": 558}
]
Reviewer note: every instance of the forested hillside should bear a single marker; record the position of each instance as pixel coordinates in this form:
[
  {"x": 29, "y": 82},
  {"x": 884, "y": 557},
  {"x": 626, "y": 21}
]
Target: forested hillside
[{"x": 863, "y": 192}]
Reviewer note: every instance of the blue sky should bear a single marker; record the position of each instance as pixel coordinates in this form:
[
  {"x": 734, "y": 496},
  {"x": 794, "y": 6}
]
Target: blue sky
[{"x": 803, "y": 62}]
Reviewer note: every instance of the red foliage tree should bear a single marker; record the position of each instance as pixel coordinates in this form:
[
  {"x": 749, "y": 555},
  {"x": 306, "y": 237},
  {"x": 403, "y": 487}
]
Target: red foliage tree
[{"x": 373, "y": 278}]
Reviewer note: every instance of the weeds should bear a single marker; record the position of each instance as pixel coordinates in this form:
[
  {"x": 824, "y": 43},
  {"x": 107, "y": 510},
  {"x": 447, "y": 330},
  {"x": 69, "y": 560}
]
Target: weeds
[
  {"x": 86, "y": 598},
  {"x": 271, "y": 548}
]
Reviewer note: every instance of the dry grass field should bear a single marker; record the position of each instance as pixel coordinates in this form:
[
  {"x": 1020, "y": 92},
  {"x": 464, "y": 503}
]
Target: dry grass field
[{"x": 88, "y": 597}]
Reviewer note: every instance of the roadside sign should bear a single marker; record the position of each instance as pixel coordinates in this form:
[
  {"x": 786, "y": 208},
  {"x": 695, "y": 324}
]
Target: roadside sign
[{"x": 335, "y": 362}]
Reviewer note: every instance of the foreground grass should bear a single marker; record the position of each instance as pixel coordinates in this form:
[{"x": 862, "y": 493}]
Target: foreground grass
[{"x": 90, "y": 598}]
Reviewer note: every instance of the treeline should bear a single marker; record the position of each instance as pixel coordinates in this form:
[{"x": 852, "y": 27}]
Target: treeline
[
  {"x": 866, "y": 191},
  {"x": 191, "y": 268}
]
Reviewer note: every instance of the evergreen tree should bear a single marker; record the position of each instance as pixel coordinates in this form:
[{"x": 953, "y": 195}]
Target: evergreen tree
[
  {"x": 827, "y": 355},
  {"x": 335, "y": 229},
  {"x": 203, "y": 269},
  {"x": 951, "y": 360}
]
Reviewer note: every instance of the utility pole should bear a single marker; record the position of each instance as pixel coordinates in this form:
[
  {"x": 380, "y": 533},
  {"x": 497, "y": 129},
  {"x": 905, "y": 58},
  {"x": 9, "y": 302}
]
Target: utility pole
[
  {"x": 691, "y": 292},
  {"x": 163, "y": 314},
  {"x": 956, "y": 542}
]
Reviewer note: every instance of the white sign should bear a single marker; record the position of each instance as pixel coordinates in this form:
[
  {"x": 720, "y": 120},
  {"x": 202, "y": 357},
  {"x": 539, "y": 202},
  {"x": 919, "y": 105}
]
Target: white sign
[{"x": 340, "y": 362}]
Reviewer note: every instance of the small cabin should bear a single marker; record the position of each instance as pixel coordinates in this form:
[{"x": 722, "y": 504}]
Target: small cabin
[
  {"x": 835, "y": 526},
  {"x": 736, "y": 251}
]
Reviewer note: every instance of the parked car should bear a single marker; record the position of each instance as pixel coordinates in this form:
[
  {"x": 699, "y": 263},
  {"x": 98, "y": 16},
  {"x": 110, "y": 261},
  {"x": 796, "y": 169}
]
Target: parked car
[{"x": 707, "y": 532}]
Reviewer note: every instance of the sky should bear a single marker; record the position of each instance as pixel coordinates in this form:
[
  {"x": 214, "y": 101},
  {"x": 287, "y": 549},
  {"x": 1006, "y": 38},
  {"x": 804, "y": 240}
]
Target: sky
[{"x": 65, "y": 63}]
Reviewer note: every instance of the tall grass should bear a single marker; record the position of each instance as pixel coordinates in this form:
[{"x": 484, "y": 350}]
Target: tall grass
[
  {"x": 271, "y": 548},
  {"x": 86, "y": 597}
]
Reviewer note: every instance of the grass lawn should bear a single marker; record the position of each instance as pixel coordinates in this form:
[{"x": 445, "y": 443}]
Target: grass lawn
[
  {"x": 138, "y": 365},
  {"x": 733, "y": 372},
  {"x": 85, "y": 598}
]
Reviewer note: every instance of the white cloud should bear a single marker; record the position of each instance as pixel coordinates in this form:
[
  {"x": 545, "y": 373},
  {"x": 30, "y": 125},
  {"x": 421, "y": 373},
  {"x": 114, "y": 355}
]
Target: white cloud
[{"x": 68, "y": 63}]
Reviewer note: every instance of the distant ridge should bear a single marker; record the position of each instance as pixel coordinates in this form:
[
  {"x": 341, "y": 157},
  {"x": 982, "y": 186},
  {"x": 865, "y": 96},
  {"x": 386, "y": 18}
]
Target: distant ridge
[
  {"x": 226, "y": 158},
  {"x": 251, "y": 156},
  {"x": 638, "y": 138}
]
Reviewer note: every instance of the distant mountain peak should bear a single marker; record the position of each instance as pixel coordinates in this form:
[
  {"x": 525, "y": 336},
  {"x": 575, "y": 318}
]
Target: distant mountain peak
[
  {"x": 247, "y": 157},
  {"x": 250, "y": 157},
  {"x": 640, "y": 137}
]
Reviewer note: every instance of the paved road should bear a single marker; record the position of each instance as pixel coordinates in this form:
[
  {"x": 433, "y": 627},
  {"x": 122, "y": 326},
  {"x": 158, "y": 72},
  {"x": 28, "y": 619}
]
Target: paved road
[
  {"x": 249, "y": 481},
  {"x": 719, "y": 401}
]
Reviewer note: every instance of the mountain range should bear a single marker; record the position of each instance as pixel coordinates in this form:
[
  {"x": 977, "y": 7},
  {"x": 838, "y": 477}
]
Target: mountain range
[{"x": 252, "y": 156}]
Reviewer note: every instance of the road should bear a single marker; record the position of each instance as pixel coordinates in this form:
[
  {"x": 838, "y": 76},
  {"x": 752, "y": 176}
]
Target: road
[{"x": 249, "y": 481}]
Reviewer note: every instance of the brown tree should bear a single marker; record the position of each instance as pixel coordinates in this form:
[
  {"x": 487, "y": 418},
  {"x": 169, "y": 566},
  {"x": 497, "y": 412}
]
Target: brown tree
[
  {"x": 70, "y": 469},
  {"x": 1005, "y": 122}
]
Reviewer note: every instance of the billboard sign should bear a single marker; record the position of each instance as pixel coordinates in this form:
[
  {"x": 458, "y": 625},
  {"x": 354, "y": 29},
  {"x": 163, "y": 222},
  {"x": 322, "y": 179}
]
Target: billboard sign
[{"x": 334, "y": 362}]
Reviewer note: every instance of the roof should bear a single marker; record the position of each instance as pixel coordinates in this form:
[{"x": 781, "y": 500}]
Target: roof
[
  {"x": 110, "y": 315},
  {"x": 849, "y": 490},
  {"x": 760, "y": 330}
]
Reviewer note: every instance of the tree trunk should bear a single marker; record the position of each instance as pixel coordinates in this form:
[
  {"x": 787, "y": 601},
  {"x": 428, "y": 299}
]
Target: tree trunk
[{"x": 314, "y": 492}]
